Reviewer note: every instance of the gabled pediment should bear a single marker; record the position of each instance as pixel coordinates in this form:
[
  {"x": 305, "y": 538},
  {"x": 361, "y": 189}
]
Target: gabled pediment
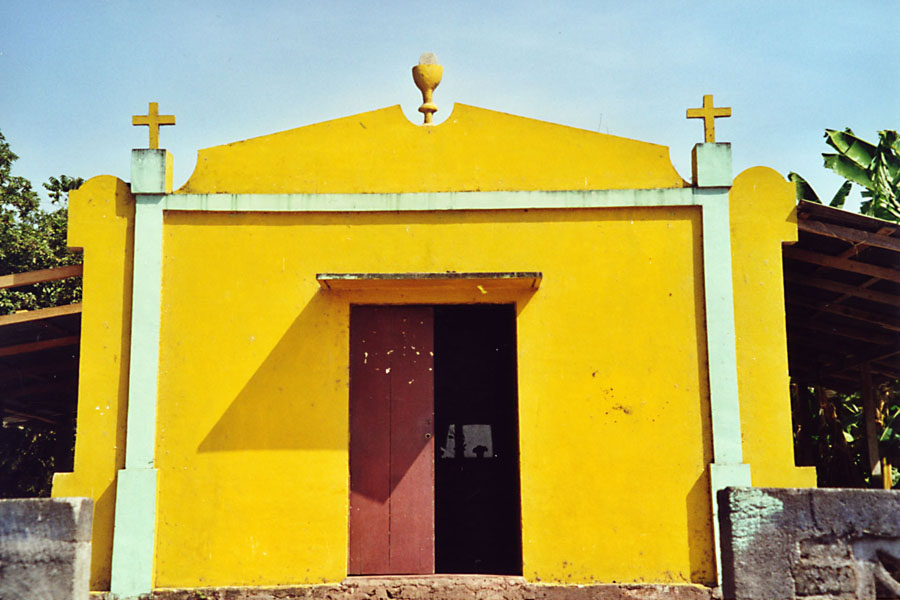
[{"x": 475, "y": 149}]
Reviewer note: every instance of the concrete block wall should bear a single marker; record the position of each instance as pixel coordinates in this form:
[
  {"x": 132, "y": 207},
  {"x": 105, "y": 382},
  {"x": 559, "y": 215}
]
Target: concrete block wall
[
  {"x": 817, "y": 544},
  {"x": 45, "y": 548}
]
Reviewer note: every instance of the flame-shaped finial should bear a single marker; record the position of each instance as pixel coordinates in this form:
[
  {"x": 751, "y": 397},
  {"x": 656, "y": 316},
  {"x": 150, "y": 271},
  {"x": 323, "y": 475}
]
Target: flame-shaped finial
[{"x": 427, "y": 75}]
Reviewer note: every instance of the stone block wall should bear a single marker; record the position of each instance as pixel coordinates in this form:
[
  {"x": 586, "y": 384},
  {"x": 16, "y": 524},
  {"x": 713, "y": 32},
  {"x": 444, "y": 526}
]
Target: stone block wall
[
  {"x": 809, "y": 543},
  {"x": 45, "y": 548}
]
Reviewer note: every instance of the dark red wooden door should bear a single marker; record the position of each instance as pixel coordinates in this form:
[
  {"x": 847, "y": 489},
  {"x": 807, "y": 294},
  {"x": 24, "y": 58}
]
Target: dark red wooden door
[{"x": 391, "y": 440}]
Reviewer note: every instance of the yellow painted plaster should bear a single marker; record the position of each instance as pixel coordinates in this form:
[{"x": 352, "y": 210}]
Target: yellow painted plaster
[
  {"x": 473, "y": 150},
  {"x": 763, "y": 215},
  {"x": 101, "y": 221},
  {"x": 252, "y": 440},
  {"x": 252, "y": 415}
]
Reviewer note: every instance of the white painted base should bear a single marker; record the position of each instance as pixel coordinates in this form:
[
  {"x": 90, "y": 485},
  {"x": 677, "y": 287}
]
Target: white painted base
[{"x": 134, "y": 533}]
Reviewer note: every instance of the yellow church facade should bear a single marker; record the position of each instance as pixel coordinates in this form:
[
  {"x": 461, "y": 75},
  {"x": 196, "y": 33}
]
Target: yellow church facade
[{"x": 355, "y": 347}]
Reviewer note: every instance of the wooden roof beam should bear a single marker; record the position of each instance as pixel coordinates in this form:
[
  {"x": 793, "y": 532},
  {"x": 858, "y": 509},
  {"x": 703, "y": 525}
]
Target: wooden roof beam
[
  {"x": 843, "y": 288},
  {"x": 855, "y": 250},
  {"x": 40, "y": 313},
  {"x": 852, "y": 333},
  {"x": 27, "y": 416},
  {"x": 830, "y": 381},
  {"x": 842, "y": 264},
  {"x": 843, "y": 381},
  {"x": 887, "y": 371},
  {"x": 849, "y": 235},
  {"x": 807, "y": 350},
  {"x": 852, "y": 361},
  {"x": 71, "y": 340},
  {"x": 881, "y": 321},
  {"x": 31, "y": 277}
]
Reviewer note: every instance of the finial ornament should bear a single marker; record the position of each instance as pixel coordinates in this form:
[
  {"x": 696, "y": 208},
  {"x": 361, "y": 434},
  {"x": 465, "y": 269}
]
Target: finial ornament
[
  {"x": 427, "y": 75},
  {"x": 709, "y": 114},
  {"x": 154, "y": 121}
]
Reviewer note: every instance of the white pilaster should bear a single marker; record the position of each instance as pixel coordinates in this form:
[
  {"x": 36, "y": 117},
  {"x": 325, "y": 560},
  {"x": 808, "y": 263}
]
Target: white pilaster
[{"x": 135, "y": 521}]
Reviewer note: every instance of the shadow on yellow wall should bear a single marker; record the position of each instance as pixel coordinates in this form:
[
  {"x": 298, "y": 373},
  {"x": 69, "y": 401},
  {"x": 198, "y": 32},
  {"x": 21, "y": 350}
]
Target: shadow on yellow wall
[
  {"x": 271, "y": 412},
  {"x": 701, "y": 540},
  {"x": 700, "y": 534},
  {"x": 254, "y": 400}
]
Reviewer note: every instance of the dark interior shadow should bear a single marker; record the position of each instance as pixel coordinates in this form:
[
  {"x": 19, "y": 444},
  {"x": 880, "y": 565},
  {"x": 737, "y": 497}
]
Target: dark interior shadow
[
  {"x": 701, "y": 544},
  {"x": 276, "y": 409},
  {"x": 102, "y": 536},
  {"x": 698, "y": 503},
  {"x": 477, "y": 491}
]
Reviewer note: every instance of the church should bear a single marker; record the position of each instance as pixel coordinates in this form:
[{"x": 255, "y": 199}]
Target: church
[{"x": 493, "y": 345}]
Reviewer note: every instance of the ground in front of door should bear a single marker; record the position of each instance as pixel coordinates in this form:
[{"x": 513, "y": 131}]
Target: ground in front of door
[{"x": 441, "y": 587}]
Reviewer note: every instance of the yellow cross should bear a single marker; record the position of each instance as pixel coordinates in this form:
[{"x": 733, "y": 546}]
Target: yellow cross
[
  {"x": 153, "y": 120},
  {"x": 708, "y": 114}
]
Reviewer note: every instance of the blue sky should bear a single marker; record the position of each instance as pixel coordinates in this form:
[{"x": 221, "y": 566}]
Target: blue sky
[{"x": 73, "y": 73}]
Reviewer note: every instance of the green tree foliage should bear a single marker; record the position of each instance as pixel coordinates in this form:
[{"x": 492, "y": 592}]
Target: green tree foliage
[
  {"x": 33, "y": 238},
  {"x": 27, "y": 460},
  {"x": 874, "y": 167},
  {"x": 61, "y": 187}
]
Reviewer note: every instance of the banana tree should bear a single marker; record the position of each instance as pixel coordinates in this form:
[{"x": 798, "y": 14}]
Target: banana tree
[
  {"x": 874, "y": 167},
  {"x": 806, "y": 192}
]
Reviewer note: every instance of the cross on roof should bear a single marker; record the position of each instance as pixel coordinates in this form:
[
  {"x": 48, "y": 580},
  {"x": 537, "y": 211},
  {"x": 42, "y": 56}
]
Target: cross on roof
[
  {"x": 154, "y": 121},
  {"x": 708, "y": 114}
]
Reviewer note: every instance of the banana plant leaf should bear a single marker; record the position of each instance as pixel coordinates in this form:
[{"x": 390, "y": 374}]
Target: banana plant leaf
[
  {"x": 886, "y": 157},
  {"x": 874, "y": 167},
  {"x": 841, "y": 195},
  {"x": 883, "y": 181},
  {"x": 848, "y": 169},
  {"x": 847, "y": 144},
  {"x": 802, "y": 188},
  {"x": 890, "y": 436},
  {"x": 892, "y": 137},
  {"x": 851, "y": 417},
  {"x": 880, "y": 210}
]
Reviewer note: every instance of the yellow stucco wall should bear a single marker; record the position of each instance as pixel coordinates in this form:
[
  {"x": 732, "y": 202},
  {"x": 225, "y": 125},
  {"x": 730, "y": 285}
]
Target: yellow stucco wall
[
  {"x": 252, "y": 444},
  {"x": 473, "y": 150},
  {"x": 102, "y": 223},
  {"x": 252, "y": 415},
  {"x": 762, "y": 206}
]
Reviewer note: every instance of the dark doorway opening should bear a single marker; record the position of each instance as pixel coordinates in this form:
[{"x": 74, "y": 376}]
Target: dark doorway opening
[
  {"x": 434, "y": 440},
  {"x": 477, "y": 500}
]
